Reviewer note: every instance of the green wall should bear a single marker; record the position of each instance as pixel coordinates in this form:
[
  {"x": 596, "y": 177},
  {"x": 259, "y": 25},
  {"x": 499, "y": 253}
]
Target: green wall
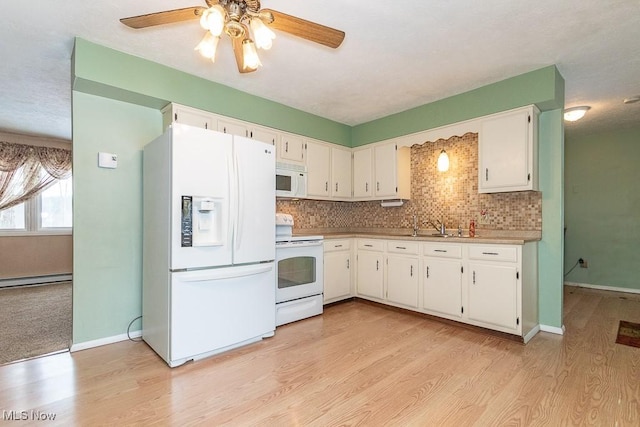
[
  {"x": 116, "y": 98},
  {"x": 107, "y": 214},
  {"x": 106, "y": 72},
  {"x": 603, "y": 208},
  {"x": 543, "y": 87}
]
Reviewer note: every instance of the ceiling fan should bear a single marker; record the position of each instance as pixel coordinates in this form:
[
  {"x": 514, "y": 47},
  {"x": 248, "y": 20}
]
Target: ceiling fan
[{"x": 240, "y": 19}]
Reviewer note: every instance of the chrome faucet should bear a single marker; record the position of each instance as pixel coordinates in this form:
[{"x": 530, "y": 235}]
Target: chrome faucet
[
  {"x": 415, "y": 226},
  {"x": 439, "y": 226}
]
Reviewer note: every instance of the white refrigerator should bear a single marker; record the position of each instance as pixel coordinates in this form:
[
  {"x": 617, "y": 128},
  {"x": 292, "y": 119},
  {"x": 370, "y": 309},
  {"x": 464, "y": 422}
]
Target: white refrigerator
[{"x": 208, "y": 243}]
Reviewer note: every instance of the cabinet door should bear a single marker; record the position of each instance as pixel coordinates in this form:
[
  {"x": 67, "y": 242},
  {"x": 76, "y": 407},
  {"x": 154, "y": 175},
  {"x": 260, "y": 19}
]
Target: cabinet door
[
  {"x": 337, "y": 275},
  {"x": 291, "y": 149},
  {"x": 505, "y": 152},
  {"x": 318, "y": 156},
  {"x": 232, "y": 128},
  {"x": 263, "y": 134},
  {"x": 193, "y": 117},
  {"x": 362, "y": 173},
  {"x": 385, "y": 171},
  {"x": 402, "y": 280},
  {"x": 443, "y": 286},
  {"x": 370, "y": 274},
  {"x": 340, "y": 172},
  {"x": 493, "y": 294}
]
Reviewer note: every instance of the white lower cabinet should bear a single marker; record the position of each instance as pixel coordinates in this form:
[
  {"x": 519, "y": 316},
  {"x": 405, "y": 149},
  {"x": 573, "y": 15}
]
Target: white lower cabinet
[
  {"x": 493, "y": 294},
  {"x": 370, "y": 273},
  {"x": 442, "y": 285},
  {"x": 494, "y": 286},
  {"x": 403, "y": 278},
  {"x": 337, "y": 270}
]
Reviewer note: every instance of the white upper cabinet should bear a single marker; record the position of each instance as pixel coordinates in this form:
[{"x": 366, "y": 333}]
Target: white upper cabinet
[
  {"x": 263, "y": 134},
  {"x": 188, "y": 116},
  {"x": 507, "y": 151},
  {"x": 233, "y": 127},
  {"x": 340, "y": 173},
  {"x": 362, "y": 173},
  {"x": 291, "y": 149},
  {"x": 249, "y": 130},
  {"x": 318, "y": 169},
  {"x": 392, "y": 172},
  {"x": 328, "y": 170}
]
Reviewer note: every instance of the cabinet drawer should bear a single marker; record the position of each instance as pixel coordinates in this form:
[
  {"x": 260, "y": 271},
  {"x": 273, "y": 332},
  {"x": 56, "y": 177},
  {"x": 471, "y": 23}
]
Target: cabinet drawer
[
  {"x": 403, "y": 247},
  {"x": 337, "y": 245},
  {"x": 442, "y": 250},
  {"x": 371, "y": 245},
  {"x": 494, "y": 253}
]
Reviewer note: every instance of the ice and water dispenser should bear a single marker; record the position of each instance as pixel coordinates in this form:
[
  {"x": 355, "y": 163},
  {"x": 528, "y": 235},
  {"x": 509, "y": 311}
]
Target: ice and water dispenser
[{"x": 201, "y": 222}]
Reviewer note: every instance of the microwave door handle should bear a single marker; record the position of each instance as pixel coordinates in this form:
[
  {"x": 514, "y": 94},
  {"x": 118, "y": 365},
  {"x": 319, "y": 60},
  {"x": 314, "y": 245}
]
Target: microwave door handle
[{"x": 294, "y": 184}]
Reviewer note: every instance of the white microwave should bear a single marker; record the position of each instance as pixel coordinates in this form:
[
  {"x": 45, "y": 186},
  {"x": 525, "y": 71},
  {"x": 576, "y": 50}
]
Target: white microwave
[{"x": 291, "y": 180}]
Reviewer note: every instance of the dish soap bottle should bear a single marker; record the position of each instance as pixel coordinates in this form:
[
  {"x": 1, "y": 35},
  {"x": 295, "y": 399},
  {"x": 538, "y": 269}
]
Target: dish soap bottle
[{"x": 472, "y": 228}]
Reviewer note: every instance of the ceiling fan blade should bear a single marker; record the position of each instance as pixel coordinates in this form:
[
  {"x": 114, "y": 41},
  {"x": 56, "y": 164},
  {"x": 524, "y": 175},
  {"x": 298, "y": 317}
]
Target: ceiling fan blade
[
  {"x": 237, "y": 51},
  {"x": 305, "y": 29},
  {"x": 166, "y": 17}
]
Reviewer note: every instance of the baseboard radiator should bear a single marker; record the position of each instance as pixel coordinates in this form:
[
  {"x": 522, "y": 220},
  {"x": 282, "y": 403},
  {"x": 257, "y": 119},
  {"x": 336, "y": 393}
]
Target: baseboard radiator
[{"x": 35, "y": 280}]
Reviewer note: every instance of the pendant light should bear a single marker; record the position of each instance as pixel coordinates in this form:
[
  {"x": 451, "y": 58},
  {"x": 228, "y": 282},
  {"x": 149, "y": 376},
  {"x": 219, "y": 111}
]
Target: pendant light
[{"x": 443, "y": 161}]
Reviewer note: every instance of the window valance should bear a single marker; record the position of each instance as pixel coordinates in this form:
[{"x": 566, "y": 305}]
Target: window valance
[{"x": 26, "y": 170}]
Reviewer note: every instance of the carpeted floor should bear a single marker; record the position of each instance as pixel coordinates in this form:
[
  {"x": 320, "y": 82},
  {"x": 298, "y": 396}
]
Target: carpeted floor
[{"x": 34, "y": 320}]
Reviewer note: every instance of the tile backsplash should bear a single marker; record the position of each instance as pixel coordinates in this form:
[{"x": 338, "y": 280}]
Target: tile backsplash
[{"x": 452, "y": 196}]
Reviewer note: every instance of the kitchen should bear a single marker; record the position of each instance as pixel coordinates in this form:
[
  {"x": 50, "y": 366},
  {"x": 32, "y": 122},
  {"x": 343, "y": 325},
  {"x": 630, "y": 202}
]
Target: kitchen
[
  {"x": 95, "y": 112},
  {"x": 112, "y": 268}
]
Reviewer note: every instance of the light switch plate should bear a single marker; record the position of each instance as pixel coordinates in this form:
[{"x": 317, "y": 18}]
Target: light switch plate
[{"x": 107, "y": 160}]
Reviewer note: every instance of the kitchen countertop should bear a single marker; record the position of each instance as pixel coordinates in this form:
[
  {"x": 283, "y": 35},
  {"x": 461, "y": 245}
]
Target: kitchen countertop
[{"x": 482, "y": 236}]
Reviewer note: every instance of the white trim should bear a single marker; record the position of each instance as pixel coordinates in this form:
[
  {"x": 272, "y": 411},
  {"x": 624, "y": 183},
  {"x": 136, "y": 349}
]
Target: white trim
[
  {"x": 552, "y": 329},
  {"x": 603, "y": 287},
  {"x": 35, "y": 280},
  {"x": 104, "y": 341},
  {"x": 531, "y": 334}
]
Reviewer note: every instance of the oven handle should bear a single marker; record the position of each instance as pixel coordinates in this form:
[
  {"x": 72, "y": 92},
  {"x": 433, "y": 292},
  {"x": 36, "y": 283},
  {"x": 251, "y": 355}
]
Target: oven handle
[{"x": 282, "y": 245}]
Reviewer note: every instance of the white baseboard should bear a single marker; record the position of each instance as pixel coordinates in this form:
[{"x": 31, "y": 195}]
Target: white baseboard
[
  {"x": 603, "y": 288},
  {"x": 104, "y": 341},
  {"x": 552, "y": 329},
  {"x": 35, "y": 280},
  {"x": 531, "y": 334}
]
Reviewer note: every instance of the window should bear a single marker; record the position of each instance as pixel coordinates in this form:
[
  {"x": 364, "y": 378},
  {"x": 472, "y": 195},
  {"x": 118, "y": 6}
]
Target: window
[
  {"x": 48, "y": 213},
  {"x": 35, "y": 189}
]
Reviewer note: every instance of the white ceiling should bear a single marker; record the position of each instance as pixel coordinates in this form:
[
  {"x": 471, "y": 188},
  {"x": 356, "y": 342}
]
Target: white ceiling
[{"x": 396, "y": 55}]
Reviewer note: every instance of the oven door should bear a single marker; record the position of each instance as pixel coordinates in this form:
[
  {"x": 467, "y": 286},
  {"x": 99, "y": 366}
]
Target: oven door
[{"x": 299, "y": 270}]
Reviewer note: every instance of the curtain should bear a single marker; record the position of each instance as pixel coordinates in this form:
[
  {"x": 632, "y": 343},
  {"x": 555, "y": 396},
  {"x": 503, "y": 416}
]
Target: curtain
[{"x": 26, "y": 170}]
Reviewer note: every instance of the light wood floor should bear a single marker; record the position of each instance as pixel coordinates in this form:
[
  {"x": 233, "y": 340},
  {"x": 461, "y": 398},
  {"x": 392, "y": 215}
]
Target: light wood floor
[{"x": 356, "y": 365}]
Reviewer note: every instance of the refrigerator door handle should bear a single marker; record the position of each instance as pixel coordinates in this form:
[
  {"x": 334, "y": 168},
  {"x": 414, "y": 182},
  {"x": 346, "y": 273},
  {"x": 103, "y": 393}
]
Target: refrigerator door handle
[
  {"x": 232, "y": 208},
  {"x": 224, "y": 273},
  {"x": 240, "y": 196}
]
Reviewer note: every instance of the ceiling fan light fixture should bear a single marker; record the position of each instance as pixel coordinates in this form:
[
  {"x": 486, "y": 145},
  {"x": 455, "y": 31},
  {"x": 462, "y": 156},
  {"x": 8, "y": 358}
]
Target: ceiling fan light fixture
[
  {"x": 262, "y": 34},
  {"x": 208, "y": 46},
  {"x": 575, "y": 113},
  {"x": 213, "y": 19},
  {"x": 250, "y": 55}
]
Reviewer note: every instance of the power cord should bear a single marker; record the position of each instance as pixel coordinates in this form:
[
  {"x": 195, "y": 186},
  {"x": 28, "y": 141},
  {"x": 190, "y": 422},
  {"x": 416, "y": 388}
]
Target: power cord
[
  {"x": 574, "y": 266},
  {"x": 129, "y": 329}
]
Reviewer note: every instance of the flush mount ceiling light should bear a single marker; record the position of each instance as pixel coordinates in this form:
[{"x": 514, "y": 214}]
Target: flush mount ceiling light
[
  {"x": 631, "y": 100},
  {"x": 443, "y": 161},
  {"x": 248, "y": 27},
  {"x": 575, "y": 113}
]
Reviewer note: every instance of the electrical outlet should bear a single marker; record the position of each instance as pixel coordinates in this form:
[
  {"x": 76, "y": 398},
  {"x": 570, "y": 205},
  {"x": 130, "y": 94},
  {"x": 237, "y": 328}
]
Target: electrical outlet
[{"x": 583, "y": 263}]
